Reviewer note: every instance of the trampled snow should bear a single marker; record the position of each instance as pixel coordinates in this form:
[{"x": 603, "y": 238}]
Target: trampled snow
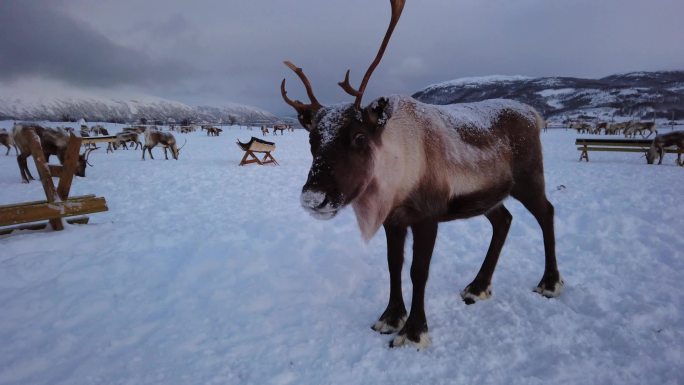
[{"x": 205, "y": 272}]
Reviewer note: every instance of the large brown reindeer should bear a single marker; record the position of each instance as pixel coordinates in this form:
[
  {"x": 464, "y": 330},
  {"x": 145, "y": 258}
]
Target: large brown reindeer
[
  {"x": 402, "y": 164},
  {"x": 52, "y": 140}
]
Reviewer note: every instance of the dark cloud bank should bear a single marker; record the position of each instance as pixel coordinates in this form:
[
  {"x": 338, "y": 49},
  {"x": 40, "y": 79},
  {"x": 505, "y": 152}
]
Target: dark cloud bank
[{"x": 213, "y": 52}]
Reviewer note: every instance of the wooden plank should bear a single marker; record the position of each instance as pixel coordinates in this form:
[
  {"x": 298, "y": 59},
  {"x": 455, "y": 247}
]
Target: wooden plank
[
  {"x": 625, "y": 142},
  {"x": 51, "y": 210},
  {"x": 42, "y": 225},
  {"x": 617, "y": 144},
  {"x": 98, "y": 139},
  {"x": 617, "y": 149},
  {"x": 71, "y": 199},
  {"x": 70, "y": 163}
]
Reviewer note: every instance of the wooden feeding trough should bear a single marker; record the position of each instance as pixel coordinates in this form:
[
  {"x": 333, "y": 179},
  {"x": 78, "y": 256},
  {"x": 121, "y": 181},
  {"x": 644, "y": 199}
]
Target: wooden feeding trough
[
  {"x": 57, "y": 204},
  {"x": 254, "y": 146}
]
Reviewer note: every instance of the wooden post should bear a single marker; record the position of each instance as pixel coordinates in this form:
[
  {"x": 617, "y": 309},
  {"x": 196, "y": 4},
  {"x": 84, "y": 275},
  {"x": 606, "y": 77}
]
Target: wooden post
[
  {"x": 70, "y": 163},
  {"x": 45, "y": 177},
  {"x": 585, "y": 154}
]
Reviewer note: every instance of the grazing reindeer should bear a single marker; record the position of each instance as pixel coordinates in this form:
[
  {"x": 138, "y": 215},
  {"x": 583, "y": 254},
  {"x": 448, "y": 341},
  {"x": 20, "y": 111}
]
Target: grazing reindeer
[
  {"x": 264, "y": 130},
  {"x": 213, "y": 131},
  {"x": 7, "y": 141},
  {"x": 674, "y": 138},
  {"x": 400, "y": 163},
  {"x": 52, "y": 140},
  {"x": 126, "y": 136},
  {"x": 166, "y": 139}
]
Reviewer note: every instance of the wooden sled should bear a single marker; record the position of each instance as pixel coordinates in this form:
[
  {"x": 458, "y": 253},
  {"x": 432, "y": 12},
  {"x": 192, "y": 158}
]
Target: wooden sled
[{"x": 256, "y": 145}]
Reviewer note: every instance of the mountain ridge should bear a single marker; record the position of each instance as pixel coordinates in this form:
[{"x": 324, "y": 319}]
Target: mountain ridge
[
  {"x": 126, "y": 110},
  {"x": 640, "y": 95}
]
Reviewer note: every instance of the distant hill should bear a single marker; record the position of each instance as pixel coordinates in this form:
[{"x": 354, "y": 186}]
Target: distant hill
[
  {"x": 634, "y": 95},
  {"x": 104, "y": 109}
]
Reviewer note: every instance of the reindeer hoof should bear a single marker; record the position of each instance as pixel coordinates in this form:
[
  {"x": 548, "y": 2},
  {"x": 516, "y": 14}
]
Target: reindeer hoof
[
  {"x": 470, "y": 294},
  {"x": 387, "y": 325},
  {"x": 422, "y": 341},
  {"x": 550, "y": 289}
]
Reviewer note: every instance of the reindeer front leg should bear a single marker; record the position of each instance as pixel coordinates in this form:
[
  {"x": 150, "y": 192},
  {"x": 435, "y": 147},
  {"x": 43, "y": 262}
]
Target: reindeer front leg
[
  {"x": 415, "y": 330},
  {"x": 394, "y": 316}
]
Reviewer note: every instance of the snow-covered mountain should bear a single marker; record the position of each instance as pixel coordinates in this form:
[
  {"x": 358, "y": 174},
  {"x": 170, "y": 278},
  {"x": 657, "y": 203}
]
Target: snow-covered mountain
[
  {"x": 636, "y": 94},
  {"x": 112, "y": 109}
]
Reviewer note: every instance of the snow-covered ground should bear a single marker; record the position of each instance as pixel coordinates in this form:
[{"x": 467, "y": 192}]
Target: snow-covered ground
[{"x": 204, "y": 272}]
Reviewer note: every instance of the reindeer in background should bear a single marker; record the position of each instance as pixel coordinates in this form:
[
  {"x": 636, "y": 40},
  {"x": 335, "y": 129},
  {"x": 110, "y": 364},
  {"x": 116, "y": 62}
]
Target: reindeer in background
[
  {"x": 165, "y": 139},
  {"x": 403, "y": 164},
  {"x": 7, "y": 141}
]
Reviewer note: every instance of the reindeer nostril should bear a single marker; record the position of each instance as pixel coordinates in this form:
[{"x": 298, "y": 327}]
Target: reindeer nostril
[{"x": 313, "y": 199}]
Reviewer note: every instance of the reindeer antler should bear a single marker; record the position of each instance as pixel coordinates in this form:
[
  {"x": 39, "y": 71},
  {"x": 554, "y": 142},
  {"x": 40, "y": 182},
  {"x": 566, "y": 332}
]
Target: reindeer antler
[
  {"x": 184, "y": 143},
  {"x": 397, "y": 7},
  {"x": 86, "y": 155},
  {"x": 299, "y": 106}
]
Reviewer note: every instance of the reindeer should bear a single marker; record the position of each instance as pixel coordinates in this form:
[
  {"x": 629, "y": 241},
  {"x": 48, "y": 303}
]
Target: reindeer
[
  {"x": 634, "y": 128},
  {"x": 213, "y": 131},
  {"x": 52, "y": 140},
  {"x": 674, "y": 138},
  {"x": 7, "y": 141},
  {"x": 264, "y": 130},
  {"x": 403, "y": 164},
  {"x": 99, "y": 130},
  {"x": 581, "y": 127},
  {"x": 281, "y": 127},
  {"x": 616, "y": 128},
  {"x": 166, "y": 139},
  {"x": 126, "y": 136},
  {"x": 600, "y": 126}
]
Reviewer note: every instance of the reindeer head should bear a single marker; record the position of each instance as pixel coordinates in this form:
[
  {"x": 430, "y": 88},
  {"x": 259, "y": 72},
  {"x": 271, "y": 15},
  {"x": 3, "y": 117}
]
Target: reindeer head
[
  {"x": 175, "y": 150},
  {"x": 82, "y": 162},
  {"x": 343, "y": 138}
]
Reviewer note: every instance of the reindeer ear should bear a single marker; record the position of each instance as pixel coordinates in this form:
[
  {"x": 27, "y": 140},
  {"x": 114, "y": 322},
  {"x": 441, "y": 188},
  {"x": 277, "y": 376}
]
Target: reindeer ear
[
  {"x": 377, "y": 113},
  {"x": 306, "y": 118}
]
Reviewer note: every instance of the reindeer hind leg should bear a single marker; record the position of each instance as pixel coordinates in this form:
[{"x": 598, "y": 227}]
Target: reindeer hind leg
[{"x": 530, "y": 192}]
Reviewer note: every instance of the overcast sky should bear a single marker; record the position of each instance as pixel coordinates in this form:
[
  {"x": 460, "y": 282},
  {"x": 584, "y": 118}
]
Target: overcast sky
[{"x": 219, "y": 51}]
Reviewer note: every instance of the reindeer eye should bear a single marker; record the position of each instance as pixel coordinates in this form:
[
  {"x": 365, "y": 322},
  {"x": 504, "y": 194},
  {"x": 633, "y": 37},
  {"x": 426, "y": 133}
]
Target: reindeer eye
[{"x": 359, "y": 140}]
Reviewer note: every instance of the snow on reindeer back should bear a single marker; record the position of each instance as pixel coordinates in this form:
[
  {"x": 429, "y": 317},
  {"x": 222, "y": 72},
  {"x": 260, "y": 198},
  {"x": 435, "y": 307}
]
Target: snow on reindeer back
[
  {"x": 473, "y": 116},
  {"x": 477, "y": 116}
]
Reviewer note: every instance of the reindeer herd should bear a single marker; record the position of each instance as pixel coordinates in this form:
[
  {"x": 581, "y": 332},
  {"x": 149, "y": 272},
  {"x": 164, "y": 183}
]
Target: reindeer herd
[
  {"x": 630, "y": 129},
  {"x": 54, "y": 141}
]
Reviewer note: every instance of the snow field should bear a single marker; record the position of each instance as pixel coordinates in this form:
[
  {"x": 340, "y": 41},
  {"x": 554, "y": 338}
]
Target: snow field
[{"x": 204, "y": 272}]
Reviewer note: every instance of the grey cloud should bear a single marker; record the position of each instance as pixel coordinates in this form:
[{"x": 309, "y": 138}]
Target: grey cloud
[
  {"x": 217, "y": 51},
  {"x": 36, "y": 39}
]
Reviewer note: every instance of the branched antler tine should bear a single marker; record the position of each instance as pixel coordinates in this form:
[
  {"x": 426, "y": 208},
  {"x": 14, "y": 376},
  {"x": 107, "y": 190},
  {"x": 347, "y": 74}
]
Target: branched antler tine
[
  {"x": 296, "y": 104},
  {"x": 397, "y": 7},
  {"x": 347, "y": 87},
  {"x": 309, "y": 90}
]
